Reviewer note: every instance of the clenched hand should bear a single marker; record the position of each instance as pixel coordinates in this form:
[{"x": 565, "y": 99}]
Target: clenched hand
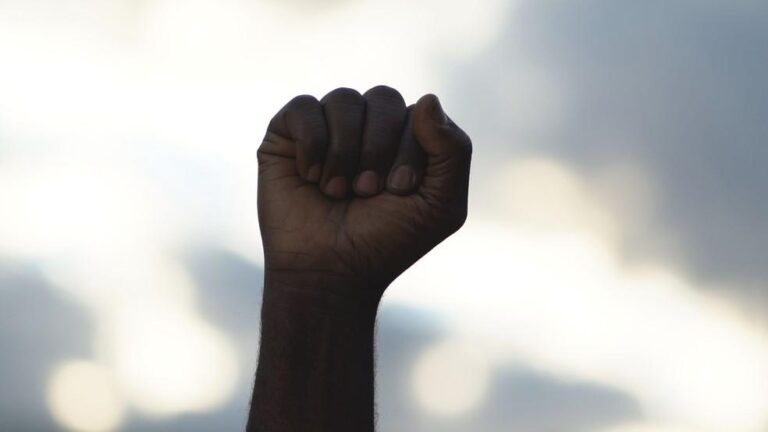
[
  {"x": 353, "y": 189},
  {"x": 356, "y": 188}
]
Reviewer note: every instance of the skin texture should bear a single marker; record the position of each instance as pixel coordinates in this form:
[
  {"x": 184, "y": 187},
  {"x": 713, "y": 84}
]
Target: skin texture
[{"x": 353, "y": 189}]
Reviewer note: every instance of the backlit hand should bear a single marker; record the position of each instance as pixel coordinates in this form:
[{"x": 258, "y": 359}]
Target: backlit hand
[{"x": 356, "y": 188}]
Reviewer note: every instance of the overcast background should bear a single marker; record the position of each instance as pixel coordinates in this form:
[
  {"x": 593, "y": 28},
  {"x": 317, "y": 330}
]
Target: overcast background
[{"x": 612, "y": 276}]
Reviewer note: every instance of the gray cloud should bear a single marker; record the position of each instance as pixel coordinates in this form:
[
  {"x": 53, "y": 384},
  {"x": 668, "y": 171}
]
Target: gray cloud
[
  {"x": 678, "y": 87},
  {"x": 519, "y": 400},
  {"x": 230, "y": 290},
  {"x": 523, "y": 400},
  {"x": 38, "y": 328}
]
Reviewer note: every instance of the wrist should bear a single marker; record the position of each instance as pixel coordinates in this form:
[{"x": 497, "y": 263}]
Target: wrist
[
  {"x": 328, "y": 292},
  {"x": 315, "y": 369}
]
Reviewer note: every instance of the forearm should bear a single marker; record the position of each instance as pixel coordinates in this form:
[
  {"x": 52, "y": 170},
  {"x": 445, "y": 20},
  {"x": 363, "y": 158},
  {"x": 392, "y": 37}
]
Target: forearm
[{"x": 316, "y": 369}]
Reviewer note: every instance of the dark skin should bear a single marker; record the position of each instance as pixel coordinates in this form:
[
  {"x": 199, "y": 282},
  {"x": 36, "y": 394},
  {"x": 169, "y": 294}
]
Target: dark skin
[{"x": 353, "y": 189}]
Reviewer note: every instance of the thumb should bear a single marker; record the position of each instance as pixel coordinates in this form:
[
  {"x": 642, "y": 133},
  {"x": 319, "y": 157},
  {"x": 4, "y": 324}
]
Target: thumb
[{"x": 449, "y": 152}]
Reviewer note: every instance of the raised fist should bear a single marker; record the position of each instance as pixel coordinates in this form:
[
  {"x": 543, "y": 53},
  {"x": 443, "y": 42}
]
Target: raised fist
[{"x": 353, "y": 189}]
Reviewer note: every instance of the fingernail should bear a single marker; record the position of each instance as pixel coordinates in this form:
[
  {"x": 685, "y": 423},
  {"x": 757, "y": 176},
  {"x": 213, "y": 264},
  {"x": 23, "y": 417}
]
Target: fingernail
[
  {"x": 368, "y": 183},
  {"x": 438, "y": 115},
  {"x": 403, "y": 178},
  {"x": 337, "y": 187},
  {"x": 314, "y": 173}
]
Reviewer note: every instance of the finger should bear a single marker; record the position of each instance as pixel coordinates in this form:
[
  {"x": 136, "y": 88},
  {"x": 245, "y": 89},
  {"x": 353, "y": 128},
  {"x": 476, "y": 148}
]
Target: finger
[
  {"x": 449, "y": 153},
  {"x": 384, "y": 120},
  {"x": 408, "y": 169},
  {"x": 298, "y": 131},
  {"x": 344, "y": 116}
]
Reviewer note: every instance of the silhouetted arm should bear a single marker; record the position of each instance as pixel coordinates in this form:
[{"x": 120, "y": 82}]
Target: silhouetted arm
[
  {"x": 353, "y": 190},
  {"x": 316, "y": 359}
]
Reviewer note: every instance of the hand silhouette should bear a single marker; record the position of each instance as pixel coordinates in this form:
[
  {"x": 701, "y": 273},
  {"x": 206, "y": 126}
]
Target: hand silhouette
[{"x": 354, "y": 189}]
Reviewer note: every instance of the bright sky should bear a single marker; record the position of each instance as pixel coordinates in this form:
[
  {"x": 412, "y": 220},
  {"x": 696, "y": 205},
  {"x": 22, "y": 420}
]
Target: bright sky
[{"x": 128, "y": 132}]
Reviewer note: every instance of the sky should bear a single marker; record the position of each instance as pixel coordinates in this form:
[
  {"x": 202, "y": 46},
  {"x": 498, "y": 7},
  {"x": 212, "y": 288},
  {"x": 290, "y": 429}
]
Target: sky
[{"x": 610, "y": 278}]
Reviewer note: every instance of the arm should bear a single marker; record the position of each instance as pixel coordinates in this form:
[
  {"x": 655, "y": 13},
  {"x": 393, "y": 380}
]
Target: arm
[
  {"x": 353, "y": 190},
  {"x": 316, "y": 360}
]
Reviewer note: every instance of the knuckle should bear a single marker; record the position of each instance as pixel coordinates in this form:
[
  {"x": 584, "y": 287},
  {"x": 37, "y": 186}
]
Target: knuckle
[
  {"x": 343, "y": 95},
  {"x": 382, "y": 89},
  {"x": 301, "y": 107},
  {"x": 303, "y": 101},
  {"x": 386, "y": 95},
  {"x": 296, "y": 108}
]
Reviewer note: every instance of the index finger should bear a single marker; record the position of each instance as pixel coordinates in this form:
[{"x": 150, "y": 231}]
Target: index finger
[{"x": 298, "y": 131}]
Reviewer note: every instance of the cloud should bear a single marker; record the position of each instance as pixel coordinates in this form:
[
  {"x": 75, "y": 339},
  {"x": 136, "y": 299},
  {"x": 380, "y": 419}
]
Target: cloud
[
  {"x": 516, "y": 398},
  {"x": 229, "y": 288},
  {"x": 527, "y": 400},
  {"x": 38, "y": 328},
  {"x": 676, "y": 89}
]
